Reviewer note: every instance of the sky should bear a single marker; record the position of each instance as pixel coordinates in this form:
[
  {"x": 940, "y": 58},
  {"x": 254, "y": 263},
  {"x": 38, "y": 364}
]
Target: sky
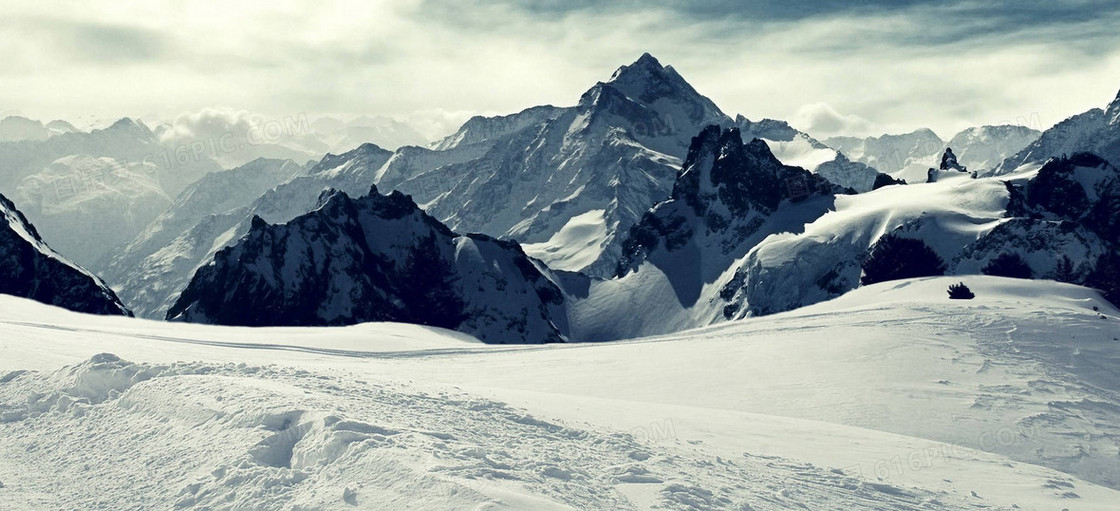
[{"x": 828, "y": 66}]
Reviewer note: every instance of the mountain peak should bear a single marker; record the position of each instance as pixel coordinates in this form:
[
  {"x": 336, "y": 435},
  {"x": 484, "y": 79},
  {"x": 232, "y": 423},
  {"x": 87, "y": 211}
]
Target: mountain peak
[
  {"x": 644, "y": 75},
  {"x": 647, "y": 60},
  {"x": 1114, "y": 109}
]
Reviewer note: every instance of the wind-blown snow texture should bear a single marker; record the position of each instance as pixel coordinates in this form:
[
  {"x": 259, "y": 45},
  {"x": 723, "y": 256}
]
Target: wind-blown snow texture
[
  {"x": 375, "y": 258},
  {"x": 30, "y": 269},
  {"x": 892, "y": 397}
]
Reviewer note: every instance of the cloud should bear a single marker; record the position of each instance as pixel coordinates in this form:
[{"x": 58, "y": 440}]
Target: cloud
[
  {"x": 902, "y": 65},
  {"x": 821, "y": 121}
]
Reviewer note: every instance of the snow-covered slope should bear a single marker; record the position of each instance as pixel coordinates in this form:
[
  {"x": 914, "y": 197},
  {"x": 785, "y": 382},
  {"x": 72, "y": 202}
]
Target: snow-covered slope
[
  {"x": 375, "y": 258},
  {"x": 892, "y": 397},
  {"x": 967, "y": 222},
  {"x": 481, "y": 129},
  {"x": 85, "y": 207},
  {"x": 30, "y": 269},
  {"x": 1096, "y": 131},
  {"x": 729, "y": 196}
]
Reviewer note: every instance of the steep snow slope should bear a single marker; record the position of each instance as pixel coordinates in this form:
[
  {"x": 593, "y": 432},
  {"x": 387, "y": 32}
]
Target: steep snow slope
[
  {"x": 1096, "y": 131},
  {"x": 85, "y": 206},
  {"x": 479, "y": 129},
  {"x": 29, "y": 268},
  {"x": 374, "y": 258},
  {"x": 892, "y": 397}
]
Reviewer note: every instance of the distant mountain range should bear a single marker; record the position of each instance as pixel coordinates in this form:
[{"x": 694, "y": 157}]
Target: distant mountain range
[
  {"x": 909, "y": 155},
  {"x": 643, "y": 209}
]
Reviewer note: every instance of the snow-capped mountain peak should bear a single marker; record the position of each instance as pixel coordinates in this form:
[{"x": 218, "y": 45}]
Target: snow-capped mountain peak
[
  {"x": 650, "y": 84},
  {"x": 133, "y": 127},
  {"x": 1113, "y": 111},
  {"x": 374, "y": 258}
]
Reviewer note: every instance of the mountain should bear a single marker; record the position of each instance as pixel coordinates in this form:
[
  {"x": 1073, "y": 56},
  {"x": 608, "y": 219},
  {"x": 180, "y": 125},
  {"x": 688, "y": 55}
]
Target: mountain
[
  {"x": 1065, "y": 223},
  {"x": 568, "y": 183},
  {"x": 1096, "y": 131},
  {"x": 87, "y": 206},
  {"x": 908, "y": 156},
  {"x": 375, "y": 258},
  {"x": 1066, "y": 210},
  {"x": 724, "y": 193},
  {"x": 985, "y": 147},
  {"x": 479, "y": 129},
  {"x": 729, "y": 196},
  {"x": 142, "y": 269},
  {"x": 152, "y": 271},
  {"x": 127, "y": 141},
  {"x": 546, "y": 171},
  {"x": 797, "y": 148},
  {"x": 905, "y": 156},
  {"x": 214, "y": 194},
  {"x": 30, "y": 269},
  {"x": 15, "y": 128}
]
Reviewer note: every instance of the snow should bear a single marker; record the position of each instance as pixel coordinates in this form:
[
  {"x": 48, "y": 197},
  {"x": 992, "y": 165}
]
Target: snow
[
  {"x": 891, "y": 397},
  {"x": 576, "y": 245}
]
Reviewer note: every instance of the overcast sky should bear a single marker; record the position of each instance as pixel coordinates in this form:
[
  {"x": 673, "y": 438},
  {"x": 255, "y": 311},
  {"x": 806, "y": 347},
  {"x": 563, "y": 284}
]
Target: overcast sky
[{"x": 828, "y": 66}]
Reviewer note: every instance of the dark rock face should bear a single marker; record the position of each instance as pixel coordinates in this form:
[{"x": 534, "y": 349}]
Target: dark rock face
[
  {"x": 30, "y": 269},
  {"x": 1083, "y": 188},
  {"x": 375, "y": 258},
  {"x": 725, "y": 189},
  {"x": 895, "y": 257},
  {"x": 1071, "y": 198},
  {"x": 949, "y": 161},
  {"x": 885, "y": 180}
]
